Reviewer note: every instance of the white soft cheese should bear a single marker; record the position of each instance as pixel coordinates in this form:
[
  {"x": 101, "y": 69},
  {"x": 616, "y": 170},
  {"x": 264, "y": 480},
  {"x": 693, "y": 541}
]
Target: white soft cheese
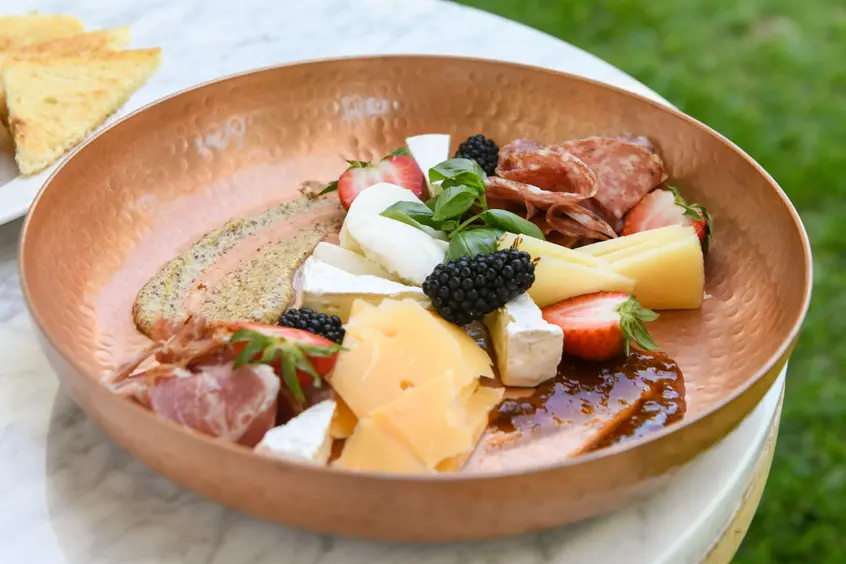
[
  {"x": 332, "y": 291},
  {"x": 306, "y": 437},
  {"x": 347, "y": 260},
  {"x": 429, "y": 150},
  {"x": 528, "y": 349}
]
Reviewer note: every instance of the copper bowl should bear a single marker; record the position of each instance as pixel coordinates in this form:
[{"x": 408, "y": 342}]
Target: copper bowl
[{"x": 133, "y": 196}]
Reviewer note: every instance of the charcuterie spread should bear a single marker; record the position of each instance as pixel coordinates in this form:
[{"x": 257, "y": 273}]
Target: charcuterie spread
[{"x": 432, "y": 311}]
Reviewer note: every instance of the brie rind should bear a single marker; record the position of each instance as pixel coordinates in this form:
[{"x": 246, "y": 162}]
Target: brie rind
[
  {"x": 306, "y": 437},
  {"x": 528, "y": 349},
  {"x": 330, "y": 290}
]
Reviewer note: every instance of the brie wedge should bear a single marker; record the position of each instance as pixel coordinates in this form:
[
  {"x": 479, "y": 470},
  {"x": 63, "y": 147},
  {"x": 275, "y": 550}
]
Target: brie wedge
[
  {"x": 306, "y": 437},
  {"x": 428, "y": 151},
  {"x": 528, "y": 349},
  {"x": 330, "y": 290}
]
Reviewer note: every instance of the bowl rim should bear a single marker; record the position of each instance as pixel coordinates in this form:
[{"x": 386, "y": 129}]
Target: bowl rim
[{"x": 785, "y": 348}]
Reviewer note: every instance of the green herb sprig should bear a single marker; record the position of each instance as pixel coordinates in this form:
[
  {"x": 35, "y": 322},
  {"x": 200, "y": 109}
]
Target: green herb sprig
[{"x": 461, "y": 211}]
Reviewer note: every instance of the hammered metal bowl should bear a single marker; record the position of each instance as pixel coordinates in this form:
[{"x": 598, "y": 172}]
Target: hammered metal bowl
[{"x": 142, "y": 190}]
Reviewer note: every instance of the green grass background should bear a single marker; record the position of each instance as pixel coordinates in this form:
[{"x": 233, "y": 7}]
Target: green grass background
[{"x": 770, "y": 75}]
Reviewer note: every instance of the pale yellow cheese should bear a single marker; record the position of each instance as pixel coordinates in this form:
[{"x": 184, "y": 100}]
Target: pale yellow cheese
[
  {"x": 477, "y": 360},
  {"x": 375, "y": 448},
  {"x": 652, "y": 237},
  {"x": 484, "y": 399},
  {"x": 669, "y": 276},
  {"x": 557, "y": 280},
  {"x": 432, "y": 419},
  {"x": 539, "y": 248},
  {"x": 343, "y": 420},
  {"x": 398, "y": 345}
]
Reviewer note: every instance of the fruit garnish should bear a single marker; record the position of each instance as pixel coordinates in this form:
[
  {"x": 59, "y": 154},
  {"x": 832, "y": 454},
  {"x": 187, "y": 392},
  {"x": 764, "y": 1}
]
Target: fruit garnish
[
  {"x": 602, "y": 325},
  {"x": 482, "y": 150},
  {"x": 461, "y": 211},
  {"x": 468, "y": 288},
  {"x": 299, "y": 357},
  {"x": 321, "y": 324},
  {"x": 662, "y": 208},
  {"x": 396, "y": 168}
]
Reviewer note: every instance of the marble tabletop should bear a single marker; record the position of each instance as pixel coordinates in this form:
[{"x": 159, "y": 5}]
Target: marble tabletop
[{"x": 68, "y": 494}]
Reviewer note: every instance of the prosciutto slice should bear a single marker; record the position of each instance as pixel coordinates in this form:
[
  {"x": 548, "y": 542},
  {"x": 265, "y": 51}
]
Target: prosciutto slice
[
  {"x": 626, "y": 168},
  {"x": 190, "y": 379}
]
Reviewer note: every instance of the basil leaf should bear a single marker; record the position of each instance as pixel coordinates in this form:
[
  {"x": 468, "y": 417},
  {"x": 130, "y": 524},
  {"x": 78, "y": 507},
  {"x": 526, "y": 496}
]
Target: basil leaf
[
  {"x": 511, "y": 222},
  {"x": 466, "y": 178},
  {"x": 414, "y": 210},
  {"x": 474, "y": 241},
  {"x": 452, "y": 167},
  {"x": 453, "y": 202},
  {"x": 449, "y": 225},
  {"x": 432, "y": 202},
  {"x": 402, "y": 218}
]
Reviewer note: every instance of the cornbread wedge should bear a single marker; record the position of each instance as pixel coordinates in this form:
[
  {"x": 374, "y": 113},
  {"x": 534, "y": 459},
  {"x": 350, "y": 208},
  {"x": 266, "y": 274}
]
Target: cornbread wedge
[
  {"x": 55, "y": 102},
  {"x": 30, "y": 29},
  {"x": 113, "y": 39}
]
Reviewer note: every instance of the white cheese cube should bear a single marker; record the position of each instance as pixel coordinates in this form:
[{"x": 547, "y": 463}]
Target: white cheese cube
[
  {"x": 528, "y": 349},
  {"x": 306, "y": 437}
]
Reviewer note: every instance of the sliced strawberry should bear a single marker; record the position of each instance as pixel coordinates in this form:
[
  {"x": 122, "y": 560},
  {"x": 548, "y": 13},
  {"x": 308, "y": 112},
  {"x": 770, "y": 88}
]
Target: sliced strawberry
[
  {"x": 397, "y": 168},
  {"x": 601, "y": 325},
  {"x": 662, "y": 208},
  {"x": 301, "y": 358}
]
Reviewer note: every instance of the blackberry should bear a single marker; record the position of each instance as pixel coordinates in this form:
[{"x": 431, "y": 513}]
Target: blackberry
[
  {"x": 317, "y": 323},
  {"x": 482, "y": 150},
  {"x": 468, "y": 288}
]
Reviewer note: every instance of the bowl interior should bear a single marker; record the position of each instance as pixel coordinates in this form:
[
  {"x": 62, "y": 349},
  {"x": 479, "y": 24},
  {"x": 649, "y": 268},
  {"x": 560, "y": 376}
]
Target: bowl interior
[{"x": 145, "y": 189}]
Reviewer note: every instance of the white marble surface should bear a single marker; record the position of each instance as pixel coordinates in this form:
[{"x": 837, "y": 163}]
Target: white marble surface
[{"x": 68, "y": 494}]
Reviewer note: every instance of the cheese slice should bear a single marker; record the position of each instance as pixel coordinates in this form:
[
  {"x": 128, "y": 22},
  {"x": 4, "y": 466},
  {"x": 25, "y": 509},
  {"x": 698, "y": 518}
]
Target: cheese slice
[
  {"x": 428, "y": 151},
  {"x": 432, "y": 419},
  {"x": 306, "y": 437},
  {"x": 373, "y": 447},
  {"x": 330, "y": 290},
  {"x": 557, "y": 280},
  {"x": 669, "y": 276},
  {"x": 538, "y": 248},
  {"x": 652, "y": 237},
  {"x": 343, "y": 421},
  {"x": 528, "y": 349},
  {"x": 397, "y": 346},
  {"x": 348, "y": 261}
]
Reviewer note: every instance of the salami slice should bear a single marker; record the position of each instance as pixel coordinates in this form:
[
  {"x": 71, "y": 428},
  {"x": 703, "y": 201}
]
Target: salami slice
[
  {"x": 519, "y": 146},
  {"x": 626, "y": 171},
  {"x": 574, "y": 220},
  {"x": 549, "y": 169}
]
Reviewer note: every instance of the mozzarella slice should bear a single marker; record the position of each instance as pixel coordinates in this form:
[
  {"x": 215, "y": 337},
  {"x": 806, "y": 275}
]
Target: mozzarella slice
[
  {"x": 330, "y": 290},
  {"x": 528, "y": 349},
  {"x": 348, "y": 261},
  {"x": 306, "y": 437}
]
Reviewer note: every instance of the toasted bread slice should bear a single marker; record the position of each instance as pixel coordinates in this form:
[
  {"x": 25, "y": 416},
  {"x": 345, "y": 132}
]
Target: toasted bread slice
[
  {"x": 30, "y": 29},
  {"x": 55, "y": 102},
  {"x": 81, "y": 44}
]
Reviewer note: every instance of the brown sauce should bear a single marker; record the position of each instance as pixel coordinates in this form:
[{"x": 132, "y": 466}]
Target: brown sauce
[{"x": 620, "y": 399}]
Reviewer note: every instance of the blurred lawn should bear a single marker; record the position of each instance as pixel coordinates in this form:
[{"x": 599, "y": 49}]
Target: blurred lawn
[{"x": 770, "y": 75}]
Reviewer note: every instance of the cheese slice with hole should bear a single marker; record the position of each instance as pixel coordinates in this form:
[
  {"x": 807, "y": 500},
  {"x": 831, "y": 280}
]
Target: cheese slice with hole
[{"x": 373, "y": 447}]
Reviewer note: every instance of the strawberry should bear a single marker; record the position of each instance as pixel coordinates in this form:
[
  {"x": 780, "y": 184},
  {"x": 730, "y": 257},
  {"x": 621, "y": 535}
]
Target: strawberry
[
  {"x": 299, "y": 357},
  {"x": 662, "y": 208},
  {"x": 397, "y": 168},
  {"x": 601, "y": 325}
]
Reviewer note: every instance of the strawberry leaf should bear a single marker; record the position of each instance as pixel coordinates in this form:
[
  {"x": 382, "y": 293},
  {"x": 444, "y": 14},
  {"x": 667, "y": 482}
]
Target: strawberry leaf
[
  {"x": 331, "y": 187},
  {"x": 289, "y": 375},
  {"x": 396, "y": 153},
  {"x": 709, "y": 228},
  {"x": 632, "y": 319},
  {"x": 359, "y": 164}
]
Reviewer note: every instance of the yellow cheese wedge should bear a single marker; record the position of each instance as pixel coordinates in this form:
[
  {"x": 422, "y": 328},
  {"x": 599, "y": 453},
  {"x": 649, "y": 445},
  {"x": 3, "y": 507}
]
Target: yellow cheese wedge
[
  {"x": 652, "y": 237},
  {"x": 557, "y": 280},
  {"x": 484, "y": 399},
  {"x": 375, "y": 448},
  {"x": 539, "y": 248},
  {"x": 477, "y": 360},
  {"x": 396, "y": 346},
  {"x": 669, "y": 276},
  {"x": 343, "y": 420}
]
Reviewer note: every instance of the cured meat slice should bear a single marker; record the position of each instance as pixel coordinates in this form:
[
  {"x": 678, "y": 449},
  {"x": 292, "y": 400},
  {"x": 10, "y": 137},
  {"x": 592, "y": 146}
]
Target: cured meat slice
[
  {"x": 549, "y": 169},
  {"x": 626, "y": 171},
  {"x": 191, "y": 380},
  {"x": 519, "y": 145},
  {"x": 575, "y": 220}
]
